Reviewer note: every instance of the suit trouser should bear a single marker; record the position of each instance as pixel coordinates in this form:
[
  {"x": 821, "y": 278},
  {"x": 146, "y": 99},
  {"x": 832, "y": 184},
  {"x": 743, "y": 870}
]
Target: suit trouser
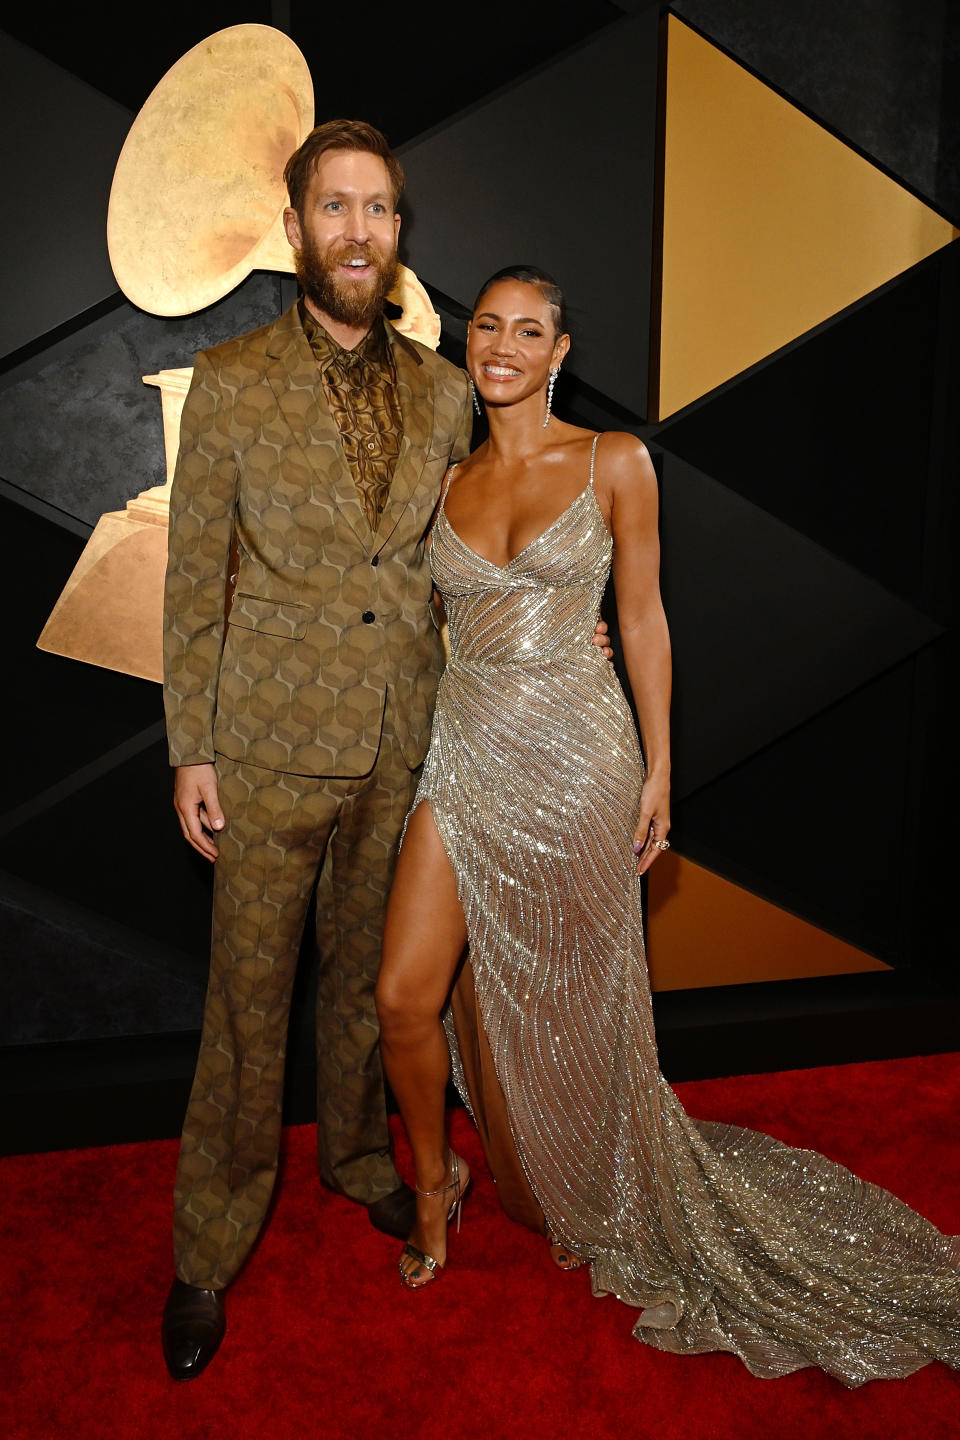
[{"x": 281, "y": 832}]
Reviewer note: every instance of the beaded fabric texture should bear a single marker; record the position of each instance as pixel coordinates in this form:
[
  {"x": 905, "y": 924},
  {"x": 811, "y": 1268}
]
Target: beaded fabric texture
[{"x": 726, "y": 1238}]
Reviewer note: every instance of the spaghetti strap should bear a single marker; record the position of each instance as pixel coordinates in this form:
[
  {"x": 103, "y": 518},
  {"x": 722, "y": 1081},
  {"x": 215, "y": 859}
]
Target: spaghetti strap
[
  {"x": 593, "y": 456},
  {"x": 439, "y": 510},
  {"x": 445, "y": 487}
]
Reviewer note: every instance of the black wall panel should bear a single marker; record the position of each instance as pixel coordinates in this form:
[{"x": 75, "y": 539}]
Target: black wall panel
[
  {"x": 99, "y": 897},
  {"x": 101, "y": 979},
  {"x": 62, "y": 715},
  {"x": 111, "y": 48},
  {"x": 768, "y": 628},
  {"x": 427, "y": 62},
  {"x": 107, "y": 443},
  {"x": 556, "y": 172},
  {"x": 407, "y": 71},
  {"x": 114, "y": 847},
  {"x": 61, "y": 140}
]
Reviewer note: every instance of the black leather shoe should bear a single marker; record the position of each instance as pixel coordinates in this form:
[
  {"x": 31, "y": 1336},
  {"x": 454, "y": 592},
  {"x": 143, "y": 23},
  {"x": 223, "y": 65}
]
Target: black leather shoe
[
  {"x": 193, "y": 1326},
  {"x": 395, "y": 1214}
]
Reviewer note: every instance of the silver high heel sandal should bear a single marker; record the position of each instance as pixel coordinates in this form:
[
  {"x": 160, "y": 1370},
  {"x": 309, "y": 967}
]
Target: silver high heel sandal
[{"x": 427, "y": 1261}]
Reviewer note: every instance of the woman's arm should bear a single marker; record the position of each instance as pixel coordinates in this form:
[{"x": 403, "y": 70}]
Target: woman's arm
[{"x": 628, "y": 484}]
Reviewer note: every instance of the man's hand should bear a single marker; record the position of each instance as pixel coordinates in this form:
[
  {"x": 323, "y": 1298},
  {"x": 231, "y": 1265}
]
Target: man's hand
[
  {"x": 600, "y": 639},
  {"x": 197, "y": 804}
]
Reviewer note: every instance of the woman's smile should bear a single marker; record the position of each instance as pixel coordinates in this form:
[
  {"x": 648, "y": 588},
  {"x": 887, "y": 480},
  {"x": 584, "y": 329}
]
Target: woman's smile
[{"x": 497, "y": 371}]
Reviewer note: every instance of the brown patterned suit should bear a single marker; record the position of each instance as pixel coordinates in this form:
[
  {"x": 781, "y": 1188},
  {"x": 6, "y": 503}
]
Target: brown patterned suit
[{"x": 315, "y": 703}]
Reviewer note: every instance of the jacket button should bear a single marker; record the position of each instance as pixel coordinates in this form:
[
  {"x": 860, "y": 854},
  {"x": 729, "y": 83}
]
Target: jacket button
[
  {"x": 368, "y": 617},
  {"x": 375, "y": 560}
]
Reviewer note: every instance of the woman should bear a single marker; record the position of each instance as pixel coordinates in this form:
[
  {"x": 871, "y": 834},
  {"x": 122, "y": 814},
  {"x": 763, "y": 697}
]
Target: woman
[{"x": 532, "y": 822}]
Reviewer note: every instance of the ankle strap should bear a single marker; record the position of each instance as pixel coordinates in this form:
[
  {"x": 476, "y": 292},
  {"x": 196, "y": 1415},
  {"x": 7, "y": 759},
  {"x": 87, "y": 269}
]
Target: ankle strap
[{"x": 454, "y": 1182}]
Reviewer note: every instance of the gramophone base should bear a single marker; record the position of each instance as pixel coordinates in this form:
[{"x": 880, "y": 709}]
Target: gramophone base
[{"x": 111, "y": 610}]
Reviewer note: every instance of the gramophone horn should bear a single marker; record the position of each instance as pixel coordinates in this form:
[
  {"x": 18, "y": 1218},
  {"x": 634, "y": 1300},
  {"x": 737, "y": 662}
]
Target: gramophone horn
[
  {"x": 198, "y": 192},
  {"x": 198, "y": 195}
]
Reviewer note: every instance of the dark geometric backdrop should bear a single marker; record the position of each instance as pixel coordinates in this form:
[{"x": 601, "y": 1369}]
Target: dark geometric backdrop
[{"x": 810, "y": 616}]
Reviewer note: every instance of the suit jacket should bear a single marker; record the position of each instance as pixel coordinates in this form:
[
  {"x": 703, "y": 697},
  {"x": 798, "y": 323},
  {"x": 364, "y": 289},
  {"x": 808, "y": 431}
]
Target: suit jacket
[{"x": 326, "y": 613}]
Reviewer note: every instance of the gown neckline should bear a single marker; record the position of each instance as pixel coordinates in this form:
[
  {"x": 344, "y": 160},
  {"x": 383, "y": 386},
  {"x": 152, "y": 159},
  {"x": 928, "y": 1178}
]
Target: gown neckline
[{"x": 587, "y": 490}]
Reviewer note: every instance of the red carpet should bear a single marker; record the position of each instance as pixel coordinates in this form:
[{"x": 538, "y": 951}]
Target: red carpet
[{"x": 322, "y": 1341}]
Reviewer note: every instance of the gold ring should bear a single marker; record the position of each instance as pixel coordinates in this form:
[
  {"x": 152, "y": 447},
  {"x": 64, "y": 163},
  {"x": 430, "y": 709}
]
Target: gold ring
[{"x": 661, "y": 844}]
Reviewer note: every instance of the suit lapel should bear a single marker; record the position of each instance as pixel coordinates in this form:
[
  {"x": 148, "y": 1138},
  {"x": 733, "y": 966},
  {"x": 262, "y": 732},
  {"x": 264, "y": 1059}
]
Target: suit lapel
[
  {"x": 415, "y": 391},
  {"x": 292, "y": 375}
]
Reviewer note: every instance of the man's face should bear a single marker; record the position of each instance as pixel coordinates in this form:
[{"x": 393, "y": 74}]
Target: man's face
[{"x": 346, "y": 238}]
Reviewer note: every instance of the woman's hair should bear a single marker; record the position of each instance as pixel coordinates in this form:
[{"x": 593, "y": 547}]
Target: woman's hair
[{"x": 530, "y": 275}]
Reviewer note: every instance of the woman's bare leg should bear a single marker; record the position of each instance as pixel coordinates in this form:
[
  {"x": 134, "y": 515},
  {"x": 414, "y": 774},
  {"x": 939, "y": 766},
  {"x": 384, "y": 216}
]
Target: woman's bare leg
[{"x": 423, "y": 940}]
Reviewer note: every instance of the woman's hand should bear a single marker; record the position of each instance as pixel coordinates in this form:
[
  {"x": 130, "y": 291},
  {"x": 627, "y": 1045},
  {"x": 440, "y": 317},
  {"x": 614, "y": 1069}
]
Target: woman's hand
[{"x": 653, "y": 827}]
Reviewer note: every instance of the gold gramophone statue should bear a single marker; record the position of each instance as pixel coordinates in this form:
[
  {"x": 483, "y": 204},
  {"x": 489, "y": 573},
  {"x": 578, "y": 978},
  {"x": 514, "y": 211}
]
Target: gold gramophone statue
[{"x": 196, "y": 204}]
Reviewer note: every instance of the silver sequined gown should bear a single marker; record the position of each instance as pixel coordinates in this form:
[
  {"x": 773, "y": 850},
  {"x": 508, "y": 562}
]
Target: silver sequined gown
[{"x": 728, "y": 1238}]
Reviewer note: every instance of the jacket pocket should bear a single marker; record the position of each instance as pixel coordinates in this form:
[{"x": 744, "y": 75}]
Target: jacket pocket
[{"x": 286, "y": 618}]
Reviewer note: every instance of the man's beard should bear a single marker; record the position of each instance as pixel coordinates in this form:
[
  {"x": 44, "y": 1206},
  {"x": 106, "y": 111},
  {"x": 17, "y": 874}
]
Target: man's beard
[{"x": 349, "y": 302}]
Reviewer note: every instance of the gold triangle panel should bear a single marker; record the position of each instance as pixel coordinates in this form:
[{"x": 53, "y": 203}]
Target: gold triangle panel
[
  {"x": 770, "y": 224},
  {"x": 703, "y": 930}
]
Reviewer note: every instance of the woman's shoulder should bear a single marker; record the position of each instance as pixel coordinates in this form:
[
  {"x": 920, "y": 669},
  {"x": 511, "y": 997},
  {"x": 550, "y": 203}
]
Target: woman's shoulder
[
  {"x": 619, "y": 446},
  {"x": 463, "y": 467},
  {"x": 623, "y": 458}
]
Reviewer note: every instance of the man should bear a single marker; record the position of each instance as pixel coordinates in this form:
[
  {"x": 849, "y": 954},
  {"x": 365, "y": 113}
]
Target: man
[{"x": 317, "y": 445}]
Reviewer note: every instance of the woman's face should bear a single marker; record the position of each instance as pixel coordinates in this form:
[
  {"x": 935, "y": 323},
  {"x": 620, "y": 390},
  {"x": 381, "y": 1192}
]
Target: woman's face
[{"x": 512, "y": 344}]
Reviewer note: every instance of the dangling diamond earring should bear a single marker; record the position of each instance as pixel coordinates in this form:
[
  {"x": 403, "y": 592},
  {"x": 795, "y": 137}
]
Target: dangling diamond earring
[
  {"x": 473, "y": 392},
  {"x": 553, "y": 380}
]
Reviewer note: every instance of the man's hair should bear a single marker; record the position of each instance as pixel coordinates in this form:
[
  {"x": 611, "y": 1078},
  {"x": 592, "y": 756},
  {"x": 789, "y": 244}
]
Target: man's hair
[
  {"x": 338, "y": 135},
  {"x": 546, "y": 285}
]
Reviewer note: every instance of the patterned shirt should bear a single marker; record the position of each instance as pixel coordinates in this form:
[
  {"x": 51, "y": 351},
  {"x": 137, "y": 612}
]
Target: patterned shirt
[{"x": 361, "y": 390}]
